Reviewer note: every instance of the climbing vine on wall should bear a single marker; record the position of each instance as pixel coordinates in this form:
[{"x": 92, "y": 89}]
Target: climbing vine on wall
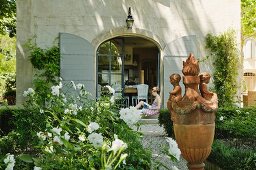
[
  {"x": 223, "y": 50},
  {"x": 47, "y": 65}
]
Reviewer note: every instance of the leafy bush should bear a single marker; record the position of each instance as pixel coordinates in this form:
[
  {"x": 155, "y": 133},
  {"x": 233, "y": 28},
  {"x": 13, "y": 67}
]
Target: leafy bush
[
  {"x": 234, "y": 144},
  {"x": 59, "y": 135},
  {"x": 236, "y": 123},
  {"x": 223, "y": 50},
  {"x": 7, "y": 59},
  {"x": 6, "y": 120},
  {"x": 230, "y": 157},
  {"x": 164, "y": 120}
]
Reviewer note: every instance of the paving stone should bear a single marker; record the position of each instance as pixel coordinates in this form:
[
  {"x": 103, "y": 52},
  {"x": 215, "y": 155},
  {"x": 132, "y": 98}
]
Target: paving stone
[{"x": 154, "y": 139}]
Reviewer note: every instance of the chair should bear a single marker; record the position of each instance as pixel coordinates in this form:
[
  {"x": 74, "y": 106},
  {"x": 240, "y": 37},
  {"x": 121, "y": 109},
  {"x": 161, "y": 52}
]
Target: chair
[
  {"x": 142, "y": 91},
  {"x": 118, "y": 95}
]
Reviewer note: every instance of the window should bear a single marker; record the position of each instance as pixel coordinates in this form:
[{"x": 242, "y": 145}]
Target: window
[
  {"x": 250, "y": 49},
  {"x": 109, "y": 66}
]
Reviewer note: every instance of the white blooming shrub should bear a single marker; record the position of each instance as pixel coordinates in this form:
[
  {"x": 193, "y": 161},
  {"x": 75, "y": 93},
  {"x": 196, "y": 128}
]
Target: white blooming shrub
[
  {"x": 131, "y": 116},
  {"x": 174, "y": 150},
  {"x": 9, "y": 161},
  {"x": 77, "y": 132}
]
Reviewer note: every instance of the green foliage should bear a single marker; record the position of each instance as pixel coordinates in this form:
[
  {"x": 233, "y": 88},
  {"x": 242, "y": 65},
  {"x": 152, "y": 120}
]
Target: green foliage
[
  {"x": 6, "y": 120},
  {"x": 230, "y": 157},
  {"x": 46, "y": 60},
  {"x": 7, "y": 17},
  {"x": 72, "y": 112},
  {"x": 7, "y": 60},
  {"x": 223, "y": 50},
  {"x": 248, "y": 18},
  {"x": 234, "y": 145},
  {"x": 47, "y": 63},
  {"x": 164, "y": 119},
  {"x": 236, "y": 123}
]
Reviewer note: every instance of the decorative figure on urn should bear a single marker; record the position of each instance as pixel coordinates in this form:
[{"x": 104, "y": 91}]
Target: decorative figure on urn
[{"x": 193, "y": 114}]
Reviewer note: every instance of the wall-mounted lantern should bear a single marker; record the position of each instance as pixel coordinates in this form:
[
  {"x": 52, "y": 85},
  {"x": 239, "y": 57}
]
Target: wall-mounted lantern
[{"x": 129, "y": 20}]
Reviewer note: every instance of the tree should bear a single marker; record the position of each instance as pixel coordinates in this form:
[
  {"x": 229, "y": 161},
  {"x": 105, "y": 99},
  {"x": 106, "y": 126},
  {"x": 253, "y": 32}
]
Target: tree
[
  {"x": 8, "y": 17},
  {"x": 223, "y": 50},
  {"x": 248, "y": 18}
]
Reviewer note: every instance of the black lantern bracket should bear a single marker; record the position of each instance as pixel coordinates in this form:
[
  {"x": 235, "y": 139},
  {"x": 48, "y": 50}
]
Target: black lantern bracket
[{"x": 129, "y": 20}]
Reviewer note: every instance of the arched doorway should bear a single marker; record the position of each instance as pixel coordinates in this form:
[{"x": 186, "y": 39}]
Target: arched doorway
[{"x": 127, "y": 61}]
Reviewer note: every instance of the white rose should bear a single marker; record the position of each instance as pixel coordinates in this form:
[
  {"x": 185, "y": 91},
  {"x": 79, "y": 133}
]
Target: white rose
[
  {"x": 92, "y": 127},
  {"x": 66, "y": 136},
  {"x": 57, "y": 130},
  {"x": 55, "y": 90},
  {"x": 96, "y": 139}
]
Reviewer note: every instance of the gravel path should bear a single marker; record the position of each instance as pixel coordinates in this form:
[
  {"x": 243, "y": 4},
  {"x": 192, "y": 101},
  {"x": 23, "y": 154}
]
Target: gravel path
[{"x": 154, "y": 139}]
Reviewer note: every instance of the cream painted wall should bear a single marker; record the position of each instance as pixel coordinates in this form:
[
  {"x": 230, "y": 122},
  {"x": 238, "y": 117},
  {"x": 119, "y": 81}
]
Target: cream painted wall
[{"x": 162, "y": 21}]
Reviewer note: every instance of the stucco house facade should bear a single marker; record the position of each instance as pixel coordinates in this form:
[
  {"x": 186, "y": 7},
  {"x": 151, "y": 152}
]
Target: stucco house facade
[{"x": 164, "y": 33}]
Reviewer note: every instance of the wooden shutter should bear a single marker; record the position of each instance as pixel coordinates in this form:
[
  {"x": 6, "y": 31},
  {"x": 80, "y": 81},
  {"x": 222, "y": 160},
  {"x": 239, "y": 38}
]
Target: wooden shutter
[{"x": 77, "y": 61}]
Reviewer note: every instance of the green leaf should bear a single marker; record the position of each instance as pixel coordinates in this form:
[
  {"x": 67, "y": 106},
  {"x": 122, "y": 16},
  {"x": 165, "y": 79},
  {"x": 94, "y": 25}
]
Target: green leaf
[
  {"x": 79, "y": 122},
  {"x": 26, "y": 158}
]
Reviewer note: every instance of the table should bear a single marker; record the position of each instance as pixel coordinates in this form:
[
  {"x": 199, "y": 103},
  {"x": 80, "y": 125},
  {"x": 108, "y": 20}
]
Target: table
[{"x": 130, "y": 91}]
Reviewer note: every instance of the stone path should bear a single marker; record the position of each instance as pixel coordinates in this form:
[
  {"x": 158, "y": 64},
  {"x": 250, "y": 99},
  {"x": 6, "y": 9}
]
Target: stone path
[{"x": 154, "y": 139}]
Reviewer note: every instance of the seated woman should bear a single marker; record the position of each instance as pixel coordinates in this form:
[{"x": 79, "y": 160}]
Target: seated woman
[{"x": 153, "y": 109}]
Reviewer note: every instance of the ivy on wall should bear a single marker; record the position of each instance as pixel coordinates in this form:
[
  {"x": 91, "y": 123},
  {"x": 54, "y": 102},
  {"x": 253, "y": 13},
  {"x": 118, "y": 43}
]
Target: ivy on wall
[
  {"x": 223, "y": 50},
  {"x": 47, "y": 63}
]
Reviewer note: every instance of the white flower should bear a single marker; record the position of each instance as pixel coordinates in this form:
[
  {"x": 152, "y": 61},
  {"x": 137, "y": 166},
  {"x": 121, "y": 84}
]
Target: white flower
[
  {"x": 131, "y": 115},
  {"x": 173, "y": 148},
  {"x": 30, "y": 91},
  {"x": 80, "y": 86},
  {"x": 57, "y": 140},
  {"x": 123, "y": 157},
  {"x": 57, "y": 130},
  {"x": 117, "y": 144},
  {"x": 111, "y": 90},
  {"x": 66, "y": 111},
  {"x": 81, "y": 137},
  {"x": 10, "y": 166},
  {"x": 221, "y": 118},
  {"x": 92, "y": 127},
  {"x": 96, "y": 139},
  {"x": 49, "y": 149},
  {"x": 49, "y": 134},
  {"x": 66, "y": 136},
  {"x": 41, "y": 135},
  {"x": 37, "y": 168},
  {"x": 10, "y": 161},
  {"x": 73, "y": 84},
  {"x": 60, "y": 85},
  {"x": 55, "y": 90},
  {"x": 73, "y": 108}
]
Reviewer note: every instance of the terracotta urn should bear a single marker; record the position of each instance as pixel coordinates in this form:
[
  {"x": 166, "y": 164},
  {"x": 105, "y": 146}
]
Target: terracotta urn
[{"x": 193, "y": 114}]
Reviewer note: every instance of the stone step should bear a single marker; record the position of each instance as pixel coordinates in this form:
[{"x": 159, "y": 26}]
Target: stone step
[
  {"x": 149, "y": 121},
  {"x": 151, "y": 127}
]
